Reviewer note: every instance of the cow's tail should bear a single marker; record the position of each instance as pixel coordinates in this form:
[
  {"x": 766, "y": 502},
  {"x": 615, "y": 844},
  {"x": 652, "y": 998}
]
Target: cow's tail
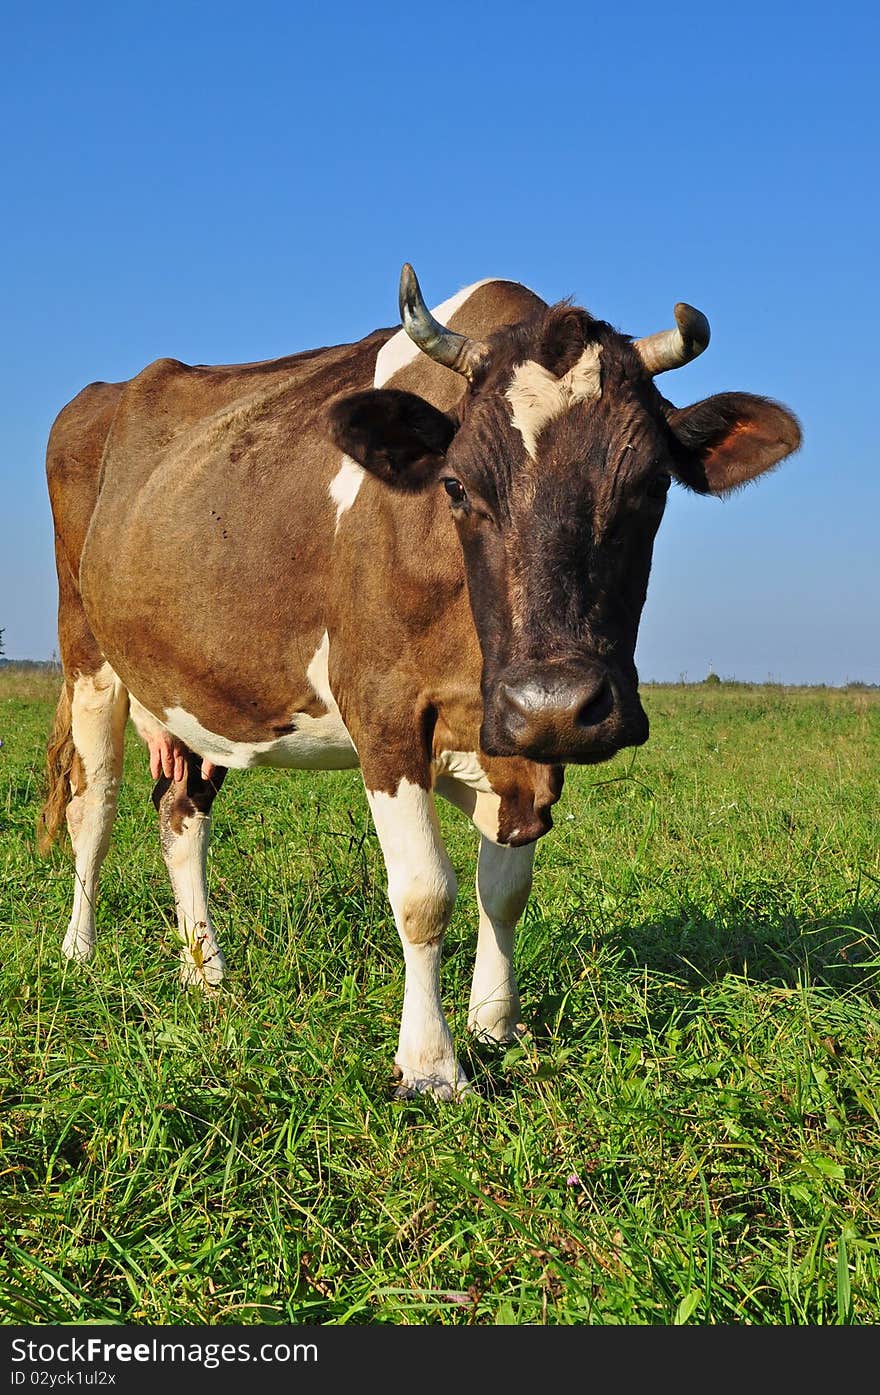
[{"x": 60, "y": 756}]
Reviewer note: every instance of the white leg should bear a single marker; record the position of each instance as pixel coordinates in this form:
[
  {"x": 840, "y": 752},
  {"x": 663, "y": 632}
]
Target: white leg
[
  {"x": 99, "y": 708},
  {"x": 185, "y": 833},
  {"x": 421, "y": 889},
  {"x": 504, "y": 880}
]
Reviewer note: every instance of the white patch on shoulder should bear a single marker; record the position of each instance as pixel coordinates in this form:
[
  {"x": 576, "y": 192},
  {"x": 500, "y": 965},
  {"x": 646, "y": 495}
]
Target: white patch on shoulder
[
  {"x": 400, "y": 349},
  {"x": 537, "y": 395},
  {"x": 317, "y": 743},
  {"x": 345, "y": 484}
]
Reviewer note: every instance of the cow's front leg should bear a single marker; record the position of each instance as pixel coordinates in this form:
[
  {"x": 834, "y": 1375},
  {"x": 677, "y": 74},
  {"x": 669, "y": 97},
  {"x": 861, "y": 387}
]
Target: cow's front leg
[
  {"x": 504, "y": 880},
  {"x": 421, "y": 889}
]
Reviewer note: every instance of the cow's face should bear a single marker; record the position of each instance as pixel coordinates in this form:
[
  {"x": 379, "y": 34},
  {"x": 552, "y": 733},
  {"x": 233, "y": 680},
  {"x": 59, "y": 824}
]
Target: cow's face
[
  {"x": 557, "y": 467},
  {"x": 557, "y": 479}
]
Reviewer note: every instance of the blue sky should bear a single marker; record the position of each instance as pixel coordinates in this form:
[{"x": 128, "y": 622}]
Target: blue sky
[{"x": 222, "y": 183}]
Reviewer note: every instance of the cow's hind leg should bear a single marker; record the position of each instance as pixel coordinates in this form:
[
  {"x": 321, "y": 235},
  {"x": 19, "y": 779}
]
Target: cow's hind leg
[
  {"x": 184, "y": 808},
  {"x": 98, "y": 712},
  {"x": 421, "y": 889},
  {"x": 504, "y": 880}
]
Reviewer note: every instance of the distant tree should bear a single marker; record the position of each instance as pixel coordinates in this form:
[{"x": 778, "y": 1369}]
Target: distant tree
[
  {"x": 1, "y": 644},
  {"x": 712, "y": 679}
]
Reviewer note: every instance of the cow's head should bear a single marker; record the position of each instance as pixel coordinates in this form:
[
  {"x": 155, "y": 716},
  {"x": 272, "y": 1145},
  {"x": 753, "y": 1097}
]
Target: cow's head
[{"x": 557, "y": 464}]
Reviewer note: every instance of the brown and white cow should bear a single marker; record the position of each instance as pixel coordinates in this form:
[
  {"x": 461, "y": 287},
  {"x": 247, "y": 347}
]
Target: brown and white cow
[{"x": 425, "y": 553}]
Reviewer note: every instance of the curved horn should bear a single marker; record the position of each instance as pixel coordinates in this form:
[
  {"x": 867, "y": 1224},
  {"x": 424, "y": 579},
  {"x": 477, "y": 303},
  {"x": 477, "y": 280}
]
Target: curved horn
[
  {"x": 453, "y": 350},
  {"x": 672, "y": 348}
]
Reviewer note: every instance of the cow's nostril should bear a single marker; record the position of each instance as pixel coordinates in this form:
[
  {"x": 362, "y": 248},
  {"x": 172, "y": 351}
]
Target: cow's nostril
[{"x": 597, "y": 707}]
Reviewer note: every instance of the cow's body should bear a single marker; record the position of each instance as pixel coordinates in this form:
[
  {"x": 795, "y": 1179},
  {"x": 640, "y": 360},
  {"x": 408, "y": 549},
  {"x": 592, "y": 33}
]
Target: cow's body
[{"x": 254, "y": 596}]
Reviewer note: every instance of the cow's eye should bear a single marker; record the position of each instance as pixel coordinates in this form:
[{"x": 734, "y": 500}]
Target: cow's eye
[
  {"x": 456, "y": 491},
  {"x": 658, "y": 485}
]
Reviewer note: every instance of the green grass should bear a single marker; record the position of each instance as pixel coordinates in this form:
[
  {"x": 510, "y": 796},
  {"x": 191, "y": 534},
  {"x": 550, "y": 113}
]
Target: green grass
[{"x": 689, "y": 1134}]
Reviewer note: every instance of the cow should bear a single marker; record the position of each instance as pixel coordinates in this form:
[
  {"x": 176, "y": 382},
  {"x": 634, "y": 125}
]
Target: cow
[{"x": 425, "y": 553}]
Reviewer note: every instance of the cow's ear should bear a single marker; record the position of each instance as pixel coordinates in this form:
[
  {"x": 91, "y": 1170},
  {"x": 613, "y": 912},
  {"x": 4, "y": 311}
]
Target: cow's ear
[
  {"x": 727, "y": 440},
  {"x": 397, "y": 436}
]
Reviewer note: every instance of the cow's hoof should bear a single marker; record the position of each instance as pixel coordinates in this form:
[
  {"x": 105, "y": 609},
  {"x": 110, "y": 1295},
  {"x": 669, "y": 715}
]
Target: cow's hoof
[
  {"x": 78, "y": 947},
  {"x": 437, "y": 1083},
  {"x": 206, "y": 975}
]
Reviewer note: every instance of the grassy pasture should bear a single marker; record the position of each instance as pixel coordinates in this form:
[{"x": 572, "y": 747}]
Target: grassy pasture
[{"x": 691, "y": 1133}]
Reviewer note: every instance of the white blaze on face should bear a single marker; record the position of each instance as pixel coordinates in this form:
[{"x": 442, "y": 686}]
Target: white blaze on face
[
  {"x": 537, "y": 396},
  {"x": 396, "y": 354}
]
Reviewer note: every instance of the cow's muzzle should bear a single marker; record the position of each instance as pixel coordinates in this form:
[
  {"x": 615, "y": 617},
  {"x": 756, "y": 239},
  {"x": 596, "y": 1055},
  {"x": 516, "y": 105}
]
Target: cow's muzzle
[{"x": 570, "y": 715}]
